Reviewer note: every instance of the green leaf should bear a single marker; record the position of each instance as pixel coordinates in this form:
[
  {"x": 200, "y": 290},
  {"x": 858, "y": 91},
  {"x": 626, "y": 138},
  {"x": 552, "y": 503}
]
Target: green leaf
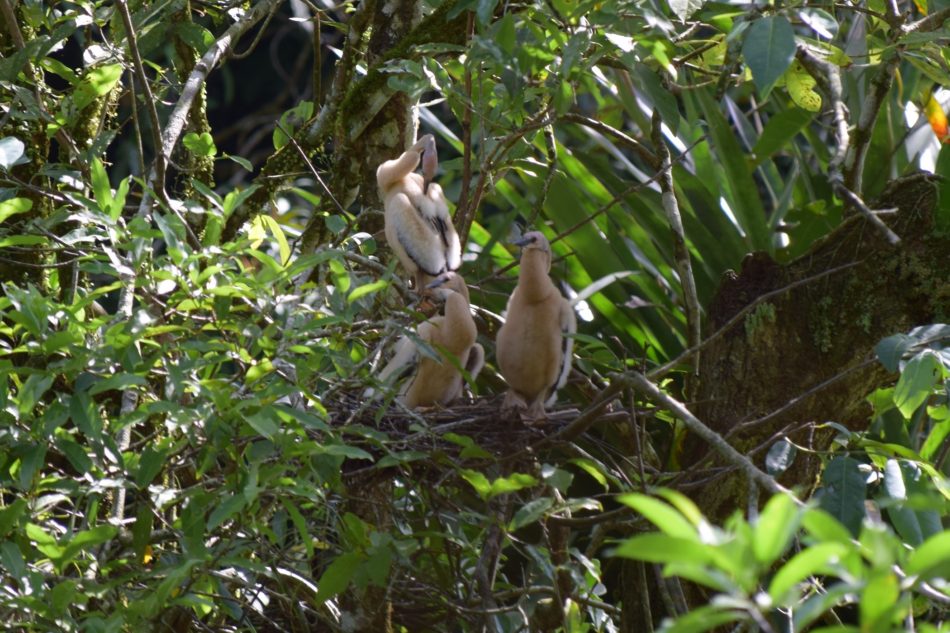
[
  {"x": 263, "y": 423},
  {"x": 14, "y": 206},
  {"x": 478, "y": 481},
  {"x": 101, "y": 189},
  {"x": 878, "y": 601},
  {"x": 75, "y": 453},
  {"x": 88, "y": 538},
  {"x": 150, "y": 464},
  {"x": 97, "y": 82},
  {"x": 891, "y": 350},
  {"x": 779, "y": 131},
  {"x": 200, "y": 144},
  {"x": 278, "y": 232},
  {"x": 530, "y": 512},
  {"x": 904, "y": 519},
  {"x": 10, "y": 515},
  {"x": 337, "y": 576},
  {"x": 345, "y": 450},
  {"x": 366, "y": 289},
  {"x": 661, "y": 515},
  {"x": 662, "y": 548},
  {"x": 119, "y": 382},
  {"x": 775, "y": 528},
  {"x": 816, "y": 559},
  {"x": 824, "y": 527},
  {"x": 225, "y": 510},
  {"x": 917, "y": 382},
  {"x": 11, "y": 152},
  {"x": 703, "y": 619},
  {"x": 843, "y": 491},
  {"x": 933, "y": 553},
  {"x": 768, "y": 50},
  {"x": 512, "y": 483}
]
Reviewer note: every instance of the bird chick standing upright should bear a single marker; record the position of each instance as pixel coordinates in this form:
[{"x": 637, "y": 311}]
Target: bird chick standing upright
[
  {"x": 440, "y": 381},
  {"x": 533, "y": 353},
  {"x": 418, "y": 226}
]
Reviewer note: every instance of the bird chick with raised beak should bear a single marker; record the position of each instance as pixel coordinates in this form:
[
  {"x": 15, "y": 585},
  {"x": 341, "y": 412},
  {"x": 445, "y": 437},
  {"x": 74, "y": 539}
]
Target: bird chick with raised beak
[
  {"x": 439, "y": 381},
  {"x": 533, "y": 347},
  {"x": 419, "y": 228}
]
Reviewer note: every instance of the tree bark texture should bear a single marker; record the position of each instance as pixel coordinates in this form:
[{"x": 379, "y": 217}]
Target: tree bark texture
[{"x": 805, "y": 356}]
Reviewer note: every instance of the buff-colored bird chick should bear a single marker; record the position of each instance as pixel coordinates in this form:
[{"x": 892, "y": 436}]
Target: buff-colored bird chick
[
  {"x": 439, "y": 381},
  {"x": 533, "y": 347},
  {"x": 419, "y": 228}
]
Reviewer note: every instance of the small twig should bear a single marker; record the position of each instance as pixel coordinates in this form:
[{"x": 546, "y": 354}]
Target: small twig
[
  {"x": 871, "y": 216},
  {"x": 313, "y": 170},
  {"x": 681, "y": 255},
  {"x": 627, "y": 141},
  {"x": 158, "y": 182}
]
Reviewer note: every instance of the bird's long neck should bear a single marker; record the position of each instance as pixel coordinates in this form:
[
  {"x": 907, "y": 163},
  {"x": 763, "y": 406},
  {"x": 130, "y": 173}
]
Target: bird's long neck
[
  {"x": 533, "y": 280},
  {"x": 458, "y": 321}
]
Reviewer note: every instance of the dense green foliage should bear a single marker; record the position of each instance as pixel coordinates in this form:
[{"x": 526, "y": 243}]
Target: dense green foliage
[{"x": 184, "y": 440}]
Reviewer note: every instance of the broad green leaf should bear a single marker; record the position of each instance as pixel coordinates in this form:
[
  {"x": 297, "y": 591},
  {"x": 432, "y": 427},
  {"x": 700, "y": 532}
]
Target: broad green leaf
[
  {"x": 768, "y": 50},
  {"x": 10, "y": 515},
  {"x": 75, "y": 453},
  {"x": 478, "y": 481},
  {"x": 668, "y": 520},
  {"x": 662, "y": 548},
  {"x": 88, "y": 538},
  {"x": 904, "y": 519},
  {"x": 916, "y": 382},
  {"x": 842, "y": 493},
  {"x": 933, "y": 553},
  {"x": 877, "y": 602},
  {"x": 703, "y": 619},
  {"x": 150, "y": 464},
  {"x": 815, "y": 559},
  {"x": 225, "y": 510},
  {"x": 263, "y": 423},
  {"x": 118, "y": 382},
  {"x": 337, "y": 576},
  {"x": 278, "y": 232},
  {"x": 14, "y": 206},
  {"x": 779, "y": 132},
  {"x": 366, "y": 289},
  {"x": 891, "y": 350},
  {"x": 98, "y": 81},
  {"x": 345, "y": 450},
  {"x": 101, "y": 189},
  {"x": 774, "y": 530},
  {"x": 511, "y": 483},
  {"x": 530, "y": 512},
  {"x": 11, "y": 152}
]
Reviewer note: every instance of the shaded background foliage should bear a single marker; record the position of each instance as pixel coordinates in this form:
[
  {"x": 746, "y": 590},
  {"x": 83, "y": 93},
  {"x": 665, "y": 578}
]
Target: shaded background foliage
[{"x": 185, "y": 445}]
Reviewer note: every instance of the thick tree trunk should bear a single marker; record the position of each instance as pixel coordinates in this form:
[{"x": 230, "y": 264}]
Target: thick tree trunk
[{"x": 805, "y": 356}]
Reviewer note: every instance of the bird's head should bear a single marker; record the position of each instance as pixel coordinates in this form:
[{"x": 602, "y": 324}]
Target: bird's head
[
  {"x": 534, "y": 241},
  {"x": 447, "y": 283},
  {"x": 430, "y": 159}
]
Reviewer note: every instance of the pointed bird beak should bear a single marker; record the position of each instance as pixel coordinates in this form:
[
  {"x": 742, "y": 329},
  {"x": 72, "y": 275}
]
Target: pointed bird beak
[
  {"x": 438, "y": 281},
  {"x": 524, "y": 241},
  {"x": 430, "y": 163}
]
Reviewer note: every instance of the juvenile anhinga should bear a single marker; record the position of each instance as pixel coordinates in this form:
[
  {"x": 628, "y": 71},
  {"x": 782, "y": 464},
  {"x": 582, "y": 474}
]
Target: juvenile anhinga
[
  {"x": 418, "y": 226},
  {"x": 439, "y": 381},
  {"x": 533, "y": 347}
]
